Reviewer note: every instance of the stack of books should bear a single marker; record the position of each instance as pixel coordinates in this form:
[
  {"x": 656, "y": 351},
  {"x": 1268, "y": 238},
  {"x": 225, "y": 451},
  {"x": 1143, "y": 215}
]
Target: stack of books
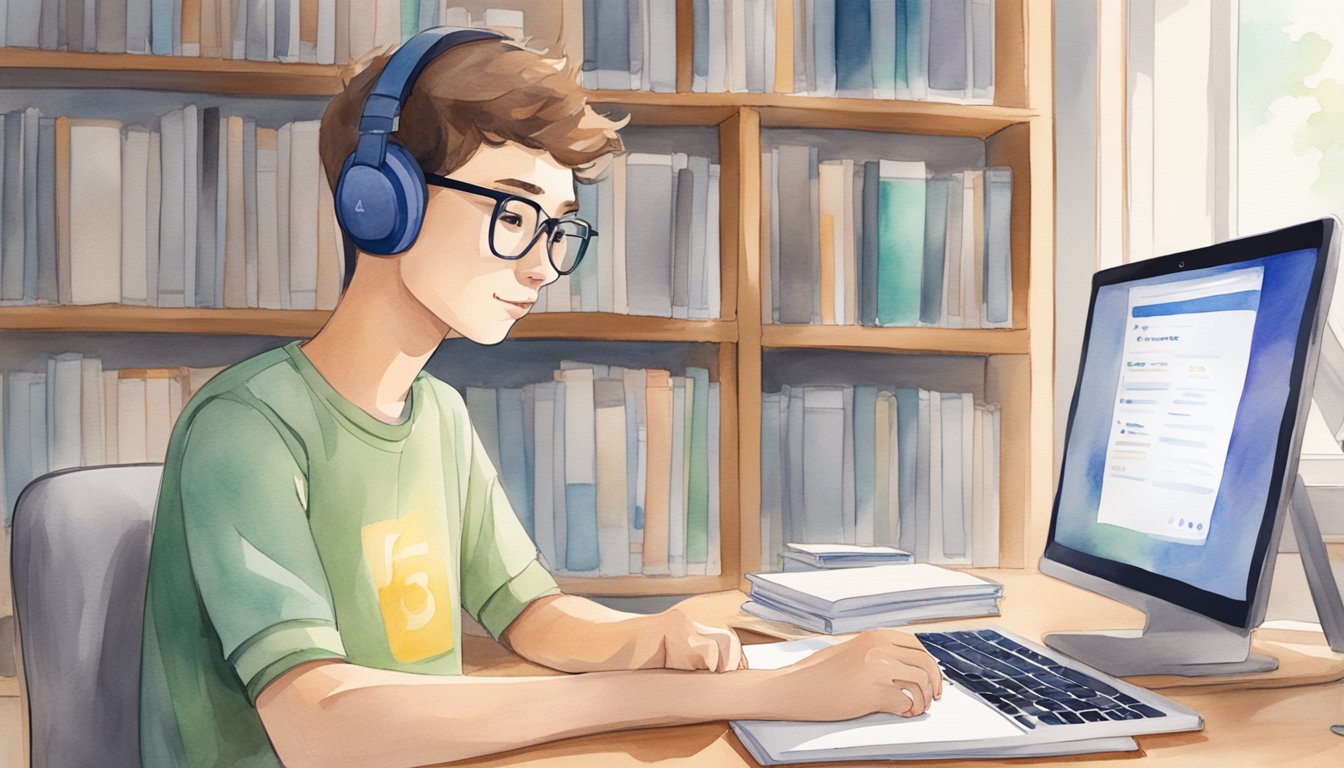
[
  {"x": 857, "y": 599},
  {"x": 815, "y": 557}
]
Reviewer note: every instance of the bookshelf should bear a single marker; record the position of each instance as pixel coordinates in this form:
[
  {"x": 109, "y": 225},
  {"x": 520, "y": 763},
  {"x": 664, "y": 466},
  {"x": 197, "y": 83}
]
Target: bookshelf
[{"x": 1016, "y": 131}]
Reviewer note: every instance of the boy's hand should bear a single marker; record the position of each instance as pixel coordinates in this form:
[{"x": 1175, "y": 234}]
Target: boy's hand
[
  {"x": 689, "y": 645},
  {"x": 882, "y": 670}
]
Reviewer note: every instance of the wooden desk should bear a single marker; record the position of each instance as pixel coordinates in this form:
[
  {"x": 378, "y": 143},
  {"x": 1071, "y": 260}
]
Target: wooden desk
[{"x": 1245, "y": 724}]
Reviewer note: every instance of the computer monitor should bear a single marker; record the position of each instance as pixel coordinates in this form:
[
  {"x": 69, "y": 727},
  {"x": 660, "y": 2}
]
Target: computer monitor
[{"x": 1182, "y": 445}]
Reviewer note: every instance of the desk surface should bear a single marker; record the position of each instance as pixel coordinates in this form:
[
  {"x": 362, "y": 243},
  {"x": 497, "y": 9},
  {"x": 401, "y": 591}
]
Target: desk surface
[{"x": 1244, "y": 726}]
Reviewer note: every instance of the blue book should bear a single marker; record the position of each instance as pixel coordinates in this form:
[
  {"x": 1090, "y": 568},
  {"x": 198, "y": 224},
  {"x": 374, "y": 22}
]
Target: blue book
[
  {"x": 590, "y": 43},
  {"x": 613, "y": 45},
  {"x": 935, "y": 244},
  {"x": 917, "y": 47},
  {"x": 513, "y": 467},
  {"x": 853, "y": 57},
  {"x": 902, "y": 43},
  {"x": 161, "y": 28},
  {"x": 824, "y": 47},
  {"x": 883, "y": 48},
  {"x": 580, "y": 452}
]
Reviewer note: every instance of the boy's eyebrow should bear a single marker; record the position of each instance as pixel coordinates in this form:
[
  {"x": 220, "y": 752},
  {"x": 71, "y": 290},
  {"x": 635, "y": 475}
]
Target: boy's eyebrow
[{"x": 532, "y": 189}]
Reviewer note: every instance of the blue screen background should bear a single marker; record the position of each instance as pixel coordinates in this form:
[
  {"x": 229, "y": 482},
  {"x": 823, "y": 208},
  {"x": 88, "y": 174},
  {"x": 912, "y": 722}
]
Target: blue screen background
[{"x": 1221, "y": 564}]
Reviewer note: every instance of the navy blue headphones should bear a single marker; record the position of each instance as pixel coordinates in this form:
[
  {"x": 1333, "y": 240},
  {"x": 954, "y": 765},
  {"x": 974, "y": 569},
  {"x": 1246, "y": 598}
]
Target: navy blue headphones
[{"x": 380, "y": 195}]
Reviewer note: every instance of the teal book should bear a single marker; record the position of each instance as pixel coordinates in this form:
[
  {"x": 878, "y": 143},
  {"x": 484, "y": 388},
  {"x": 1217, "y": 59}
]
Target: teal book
[
  {"x": 907, "y": 425},
  {"x": 900, "y": 234},
  {"x": 161, "y": 29},
  {"x": 882, "y": 44},
  {"x": 865, "y": 456},
  {"x": 410, "y": 19},
  {"x": 935, "y": 245},
  {"x": 580, "y": 455},
  {"x": 697, "y": 501}
]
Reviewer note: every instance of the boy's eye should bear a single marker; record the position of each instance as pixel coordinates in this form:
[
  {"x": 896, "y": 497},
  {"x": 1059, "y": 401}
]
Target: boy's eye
[{"x": 512, "y": 219}]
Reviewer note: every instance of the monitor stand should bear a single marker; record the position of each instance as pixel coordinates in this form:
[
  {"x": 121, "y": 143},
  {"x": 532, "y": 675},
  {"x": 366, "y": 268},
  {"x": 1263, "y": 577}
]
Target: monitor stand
[{"x": 1176, "y": 641}]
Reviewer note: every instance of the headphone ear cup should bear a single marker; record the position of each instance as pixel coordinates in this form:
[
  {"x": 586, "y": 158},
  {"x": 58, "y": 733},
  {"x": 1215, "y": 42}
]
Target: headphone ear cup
[{"x": 382, "y": 208}]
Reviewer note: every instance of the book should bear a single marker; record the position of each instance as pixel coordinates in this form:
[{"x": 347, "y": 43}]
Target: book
[
  {"x": 981, "y": 47},
  {"x": 543, "y": 472},
  {"x": 581, "y": 541},
  {"x": 900, "y": 241},
  {"x": 92, "y": 451},
  {"x": 677, "y": 510},
  {"x": 46, "y": 211},
  {"x": 714, "y": 557},
  {"x": 771, "y": 482},
  {"x": 235, "y": 253},
  {"x": 268, "y": 254},
  {"x": 863, "y": 477},
  {"x": 134, "y": 201},
  {"x": 935, "y": 250},
  {"x": 784, "y": 46},
  {"x": 844, "y": 555},
  {"x": 658, "y": 402},
  {"x": 662, "y": 38},
  {"x": 651, "y": 190},
  {"x": 924, "y": 611},
  {"x": 853, "y": 49},
  {"x": 64, "y": 377},
  {"x": 824, "y": 47},
  {"x": 698, "y": 496},
  {"x": 798, "y": 276},
  {"x": 998, "y": 278},
  {"x": 869, "y": 253},
  {"x": 30, "y": 122},
  {"x": 172, "y": 217},
  {"x": 207, "y": 210},
  {"x": 95, "y": 212},
  {"x": 304, "y": 182},
  {"x": 948, "y": 51},
  {"x": 858, "y": 591},
  {"x": 251, "y": 251},
  {"x": 612, "y": 52},
  {"x": 636, "y": 447},
  {"x": 11, "y": 210},
  {"x": 882, "y": 44},
  {"x": 612, "y": 477}
]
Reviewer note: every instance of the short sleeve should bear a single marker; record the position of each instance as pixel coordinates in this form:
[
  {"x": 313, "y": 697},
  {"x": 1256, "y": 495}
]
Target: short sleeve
[
  {"x": 501, "y": 574},
  {"x": 253, "y": 557}
]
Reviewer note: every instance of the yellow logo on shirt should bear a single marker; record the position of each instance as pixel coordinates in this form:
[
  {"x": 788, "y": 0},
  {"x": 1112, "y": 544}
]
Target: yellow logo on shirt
[{"x": 414, "y": 594}]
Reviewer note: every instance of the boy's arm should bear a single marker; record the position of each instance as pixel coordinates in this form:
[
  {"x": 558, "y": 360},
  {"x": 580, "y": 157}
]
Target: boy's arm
[
  {"x": 573, "y": 634},
  {"x": 330, "y": 713}
]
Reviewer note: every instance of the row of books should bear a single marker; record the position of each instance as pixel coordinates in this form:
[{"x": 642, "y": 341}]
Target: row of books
[
  {"x": 314, "y": 31},
  {"x": 884, "y": 242},
  {"x": 203, "y": 209},
  {"x": 76, "y": 414},
  {"x": 910, "y": 468},
  {"x": 612, "y": 471},
  {"x": 657, "y": 250},
  {"x": 937, "y": 50}
]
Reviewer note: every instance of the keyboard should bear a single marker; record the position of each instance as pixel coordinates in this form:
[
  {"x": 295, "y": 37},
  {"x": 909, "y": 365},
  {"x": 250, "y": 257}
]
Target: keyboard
[{"x": 1028, "y": 686}]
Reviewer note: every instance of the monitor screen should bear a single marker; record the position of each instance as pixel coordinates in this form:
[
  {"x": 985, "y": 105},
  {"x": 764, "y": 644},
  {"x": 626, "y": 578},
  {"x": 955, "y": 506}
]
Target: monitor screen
[{"x": 1186, "y": 404}]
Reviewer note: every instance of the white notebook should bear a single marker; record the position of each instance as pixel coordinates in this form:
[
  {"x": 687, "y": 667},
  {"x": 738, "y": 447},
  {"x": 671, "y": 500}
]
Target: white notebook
[{"x": 835, "y": 592}]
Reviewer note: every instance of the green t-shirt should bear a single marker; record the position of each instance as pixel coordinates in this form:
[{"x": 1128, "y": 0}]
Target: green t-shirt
[{"x": 292, "y": 526}]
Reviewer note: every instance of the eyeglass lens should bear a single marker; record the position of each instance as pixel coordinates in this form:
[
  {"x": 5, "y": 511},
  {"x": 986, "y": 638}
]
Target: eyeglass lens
[{"x": 515, "y": 229}]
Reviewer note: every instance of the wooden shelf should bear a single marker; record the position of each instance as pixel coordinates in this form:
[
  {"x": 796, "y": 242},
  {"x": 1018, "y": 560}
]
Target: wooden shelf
[
  {"x": 638, "y": 586},
  {"x": 115, "y": 318},
  {"x": 28, "y": 68},
  {"x": 972, "y": 341},
  {"x": 9, "y": 686}
]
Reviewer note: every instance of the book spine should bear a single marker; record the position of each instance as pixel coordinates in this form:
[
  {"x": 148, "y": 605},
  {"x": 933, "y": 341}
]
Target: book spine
[
  {"x": 581, "y": 547},
  {"x": 900, "y": 242}
]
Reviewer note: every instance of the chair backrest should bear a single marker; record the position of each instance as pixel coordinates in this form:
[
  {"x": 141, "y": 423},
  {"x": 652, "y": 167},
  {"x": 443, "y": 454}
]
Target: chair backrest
[{"x": 80, "y": 562}]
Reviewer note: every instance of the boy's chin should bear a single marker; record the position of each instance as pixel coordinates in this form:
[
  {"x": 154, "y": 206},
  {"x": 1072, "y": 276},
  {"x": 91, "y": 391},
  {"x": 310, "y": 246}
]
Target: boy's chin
[{"x": 487, "y": 335}]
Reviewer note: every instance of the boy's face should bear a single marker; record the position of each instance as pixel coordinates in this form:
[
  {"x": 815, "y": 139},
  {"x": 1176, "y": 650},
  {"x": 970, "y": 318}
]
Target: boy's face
[{"x": 451, "y": 269}]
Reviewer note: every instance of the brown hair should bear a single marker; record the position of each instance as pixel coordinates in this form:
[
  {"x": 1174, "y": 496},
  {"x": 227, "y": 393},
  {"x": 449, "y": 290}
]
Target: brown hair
[{"x": 483, "y": 92}]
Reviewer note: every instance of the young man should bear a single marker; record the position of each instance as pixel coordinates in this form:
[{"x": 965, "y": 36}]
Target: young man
[{"x": 327, "y": 508}]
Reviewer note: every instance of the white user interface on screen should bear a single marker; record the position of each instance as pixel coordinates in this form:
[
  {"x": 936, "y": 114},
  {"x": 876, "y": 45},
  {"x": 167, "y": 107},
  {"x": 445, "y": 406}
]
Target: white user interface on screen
[{"x": 1186, "y": 350}]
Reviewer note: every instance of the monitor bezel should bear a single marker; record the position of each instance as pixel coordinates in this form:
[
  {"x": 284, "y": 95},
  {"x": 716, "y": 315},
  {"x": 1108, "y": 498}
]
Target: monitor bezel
[{"x": 1320, "y": 235}]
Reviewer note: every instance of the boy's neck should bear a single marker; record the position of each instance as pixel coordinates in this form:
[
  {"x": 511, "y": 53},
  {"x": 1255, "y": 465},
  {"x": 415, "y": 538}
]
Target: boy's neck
[{"x": 375, "y": 342}]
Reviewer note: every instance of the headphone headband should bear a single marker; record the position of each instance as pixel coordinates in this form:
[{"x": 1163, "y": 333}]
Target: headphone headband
[{"x": 383, "y": 105}]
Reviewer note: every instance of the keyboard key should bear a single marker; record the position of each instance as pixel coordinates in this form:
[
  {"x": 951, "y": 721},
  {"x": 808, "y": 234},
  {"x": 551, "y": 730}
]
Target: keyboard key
[
  {"x": 1070, "y": 718},
  {"x": 1026, "y": 722},
  {"x": 1050, "y": 704},
  {"x": 1084, "y": 680},
  {"x": 1148, "y": 711},
  {"x": 1093, "y": 716},
  {"x": 1077, "y": 705},
  {"x": 1125, "y": 699},
  {"x": 1051, "y": 719}
]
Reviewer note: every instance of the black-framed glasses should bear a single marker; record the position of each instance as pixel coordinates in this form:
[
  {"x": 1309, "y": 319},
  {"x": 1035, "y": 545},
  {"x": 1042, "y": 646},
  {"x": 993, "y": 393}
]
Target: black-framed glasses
[{"x": 517, "y": 223}]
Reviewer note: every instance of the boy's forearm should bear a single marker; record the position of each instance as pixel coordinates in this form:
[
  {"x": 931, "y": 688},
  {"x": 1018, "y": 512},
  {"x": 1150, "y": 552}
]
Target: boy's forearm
[
  {"x": 332, "y": 714},
  {"x": 574, "y": 634}
]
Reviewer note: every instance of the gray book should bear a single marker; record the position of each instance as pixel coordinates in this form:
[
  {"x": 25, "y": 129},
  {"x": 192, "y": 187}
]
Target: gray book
[
  {"x": 137, "y": 26},
  {"x": 796, "y": 235},
  {"x": 823, "y": 465},
  {"x": 870, "y": 523},
  {"x": 11, "y": 210},
  {"x": 662, "y": 63},
  {"x": 650, "y": 198},
  {"x": 53, "y": 13},
  {"x": 20, "y": 439},
  {"x": 935, "y": 244},
  {"x": 255, "y": 35},
  {"x": 172, "y": 219},
  {"x": 284, "y": 150},
  {"x": 25, "y": 20},
  {"x": 953, "y": 531},
  {"x": 908, "y": 464},
  {"x": 848, "y": 510},
  {"x": 982, "y": 50},
  {"x": 792, "y": 435},
  {"x": 250, "y": 243},
  {"x": 613, "y": 44},
  {"x": 772, "y": 478},
  {"x": 46, "y": 210},
  {"x": 683, "y": 216},
  {"x": 74, "y": 25},
  {"x": 872, "y": 186},
  {"x": 697, "y": 283},
  {"x": 543, "y": 471},
  {"x": 559, "y": 516},
  {"x": 90, "y": 25},
  {"x": 927, "y": 473},
  {"x": 112, "y": 25},
  {"x": 823, "y": 46},
  {"x": 636, "y": 24},
  {"x": 207, "y": 216},
  {"x": 700, "y": 46},
  {"x": 998, "y": 247},
  {"x": 814, "y": 242},
  {"x": 31, "y": 146},
  {"x": 948, "y": 76},
  {"x": 191, "y": 189}
]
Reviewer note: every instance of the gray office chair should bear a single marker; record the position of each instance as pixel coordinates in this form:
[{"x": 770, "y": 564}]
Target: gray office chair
[{"x": 80, "y": 562}]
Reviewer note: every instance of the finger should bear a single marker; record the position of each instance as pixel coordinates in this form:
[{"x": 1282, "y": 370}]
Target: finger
[
  {"x": 722, "y": 639},
  {"x": 926, "y": 662},
  {"x": 704, "y": 652},
  {"x": 916, "y": 681},
  {"x": 914, "y": 710},
  {"x": 730, "y": 650}
]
